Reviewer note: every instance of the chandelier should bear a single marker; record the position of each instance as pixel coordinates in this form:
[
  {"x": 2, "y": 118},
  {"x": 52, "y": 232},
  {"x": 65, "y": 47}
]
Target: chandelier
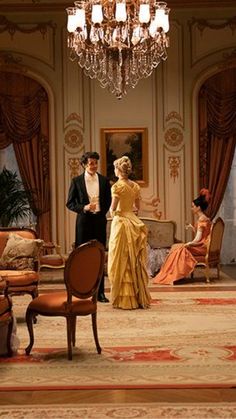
[{"x": 118, "y": 42}]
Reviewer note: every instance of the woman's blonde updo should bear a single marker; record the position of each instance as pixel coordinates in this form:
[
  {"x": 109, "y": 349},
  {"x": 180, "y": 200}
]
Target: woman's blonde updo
[{"x": 123, "y": 165}]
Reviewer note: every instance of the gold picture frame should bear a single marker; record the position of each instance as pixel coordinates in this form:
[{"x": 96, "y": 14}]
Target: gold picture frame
[{"x": 131, "y": 142}]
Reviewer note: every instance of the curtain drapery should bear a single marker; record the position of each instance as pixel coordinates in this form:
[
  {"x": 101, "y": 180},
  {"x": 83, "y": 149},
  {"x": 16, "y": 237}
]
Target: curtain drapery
[
  {"x": 217, "y": 134},
  {"x": 24, "y": 123}
]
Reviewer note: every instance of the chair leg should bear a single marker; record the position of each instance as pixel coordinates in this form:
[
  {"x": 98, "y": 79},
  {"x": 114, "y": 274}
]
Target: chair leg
[
  {"x": 73, "y": 330},
  {"x": 30, "y": 315},
  {"x": 207, "y": 274},
  {"x": 35, "y": 294},
  {"x": 9, "y": 333},
  {"x": 69, "y": 337},
  {"x": 95, "y": 333}
]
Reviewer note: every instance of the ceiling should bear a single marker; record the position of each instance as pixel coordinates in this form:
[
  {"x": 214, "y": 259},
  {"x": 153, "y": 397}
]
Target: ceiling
[{"x": 21, "y": 5}]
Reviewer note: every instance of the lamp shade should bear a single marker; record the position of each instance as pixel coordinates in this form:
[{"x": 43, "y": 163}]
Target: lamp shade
[{"x": 97, "y": 16}]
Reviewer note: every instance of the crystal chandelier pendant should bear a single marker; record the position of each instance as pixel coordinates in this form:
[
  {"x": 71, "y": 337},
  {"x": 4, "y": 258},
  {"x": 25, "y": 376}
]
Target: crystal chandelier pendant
[{"x": 118, "y": 42}]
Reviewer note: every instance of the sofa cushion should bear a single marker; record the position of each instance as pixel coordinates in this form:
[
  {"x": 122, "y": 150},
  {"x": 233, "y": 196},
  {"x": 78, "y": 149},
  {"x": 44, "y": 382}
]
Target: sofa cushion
[
  {"x": 18, "y": 250},
  {"x": 20, "y": 263}
]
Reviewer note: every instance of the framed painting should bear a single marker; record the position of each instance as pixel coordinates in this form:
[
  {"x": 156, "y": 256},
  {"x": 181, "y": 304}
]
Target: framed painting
[{"x": 131, "y": 142}]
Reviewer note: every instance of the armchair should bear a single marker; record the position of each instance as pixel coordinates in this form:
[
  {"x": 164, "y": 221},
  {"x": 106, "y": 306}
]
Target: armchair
[
  {"x": 19, "y": 248},
  {"x": 212, "y": 257},
  {"x": 51, "y": 257},
  {"x": 6, "y": 320}
]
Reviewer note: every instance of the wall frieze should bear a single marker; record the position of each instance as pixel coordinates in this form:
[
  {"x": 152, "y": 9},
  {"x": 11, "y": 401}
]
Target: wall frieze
[
  {"x": 12, "y": 27},
  {"x": 173, "y": 137},
  {"x": 204, "y": 23},
  {"x": 174, "y": 165}
]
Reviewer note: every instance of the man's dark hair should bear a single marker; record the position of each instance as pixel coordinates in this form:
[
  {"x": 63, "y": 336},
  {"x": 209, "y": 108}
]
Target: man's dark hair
[{"x": 89, "y": 155}]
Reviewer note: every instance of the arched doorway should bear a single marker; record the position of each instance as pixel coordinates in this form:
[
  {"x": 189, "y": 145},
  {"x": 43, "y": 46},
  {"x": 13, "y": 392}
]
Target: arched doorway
[
  {"x": 217, "y": 134},
  {"x": 217, "y": 157},
  {"x": 24, "y": 124}
]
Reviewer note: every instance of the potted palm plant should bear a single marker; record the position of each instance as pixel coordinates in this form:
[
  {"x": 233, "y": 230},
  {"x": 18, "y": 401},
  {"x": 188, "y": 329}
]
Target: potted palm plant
[{"x": 14, "y": 199}]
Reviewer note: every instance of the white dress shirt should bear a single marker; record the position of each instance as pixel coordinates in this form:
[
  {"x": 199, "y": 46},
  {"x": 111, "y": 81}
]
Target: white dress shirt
[{"x": 92, "y": 186}]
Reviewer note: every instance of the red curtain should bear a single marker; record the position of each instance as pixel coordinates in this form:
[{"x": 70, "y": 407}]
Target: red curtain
[
  {"x": 24, "y": 123},
  {"x": 217, "y": 139}
]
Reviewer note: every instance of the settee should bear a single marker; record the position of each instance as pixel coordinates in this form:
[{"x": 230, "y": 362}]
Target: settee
[
  {"x": 19, "y": 252},
  {"x": 161, "y": 236}
]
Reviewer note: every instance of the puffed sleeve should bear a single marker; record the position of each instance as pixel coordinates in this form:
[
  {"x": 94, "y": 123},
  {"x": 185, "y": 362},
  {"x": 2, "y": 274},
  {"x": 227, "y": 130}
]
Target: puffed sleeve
[
  {"x": 137, "y": 190},
  {"x": 116, "y": 190}
]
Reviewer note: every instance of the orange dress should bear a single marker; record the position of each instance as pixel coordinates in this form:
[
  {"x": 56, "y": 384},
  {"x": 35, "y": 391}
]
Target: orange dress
[{"x": 181, "y": 262}]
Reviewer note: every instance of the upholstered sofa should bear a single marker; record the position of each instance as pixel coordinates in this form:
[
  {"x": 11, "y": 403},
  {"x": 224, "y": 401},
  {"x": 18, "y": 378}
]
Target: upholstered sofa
[
  {"x": 19, "y": 251},
  {"x": 161, "y": 236}
]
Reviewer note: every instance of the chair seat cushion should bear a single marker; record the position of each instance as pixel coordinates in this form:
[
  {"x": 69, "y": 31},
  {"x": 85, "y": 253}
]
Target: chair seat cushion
[
  {"x": 19, "y": 278},
  {"x": 52, "y": 260},
  {"x": 56, "y": 304}
]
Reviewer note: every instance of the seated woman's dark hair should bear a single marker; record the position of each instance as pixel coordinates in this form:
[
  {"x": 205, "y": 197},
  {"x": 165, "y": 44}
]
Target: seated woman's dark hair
[
  {"x": 89, "y": 155},
  {"x": 203, "y": 199}
]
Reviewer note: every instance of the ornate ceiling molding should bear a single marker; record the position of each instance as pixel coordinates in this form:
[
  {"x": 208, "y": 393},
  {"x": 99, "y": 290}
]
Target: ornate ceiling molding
[
  {"x": 60, "y": 5},
  {"x": 12, "y": 27},
  {"x": 204, "y": 23}
]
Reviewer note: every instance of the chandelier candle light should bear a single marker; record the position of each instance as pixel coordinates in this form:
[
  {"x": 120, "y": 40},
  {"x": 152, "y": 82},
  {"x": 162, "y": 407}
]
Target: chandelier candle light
[{"x": 118, "y": 42}]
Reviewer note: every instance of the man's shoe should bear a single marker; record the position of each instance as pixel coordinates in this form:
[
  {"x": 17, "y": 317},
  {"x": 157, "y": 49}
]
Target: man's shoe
[{"x": 102, "y": 298}]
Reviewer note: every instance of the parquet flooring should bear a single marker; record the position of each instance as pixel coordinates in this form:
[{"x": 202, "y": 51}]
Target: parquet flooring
[{"x": 132, "y": 395}]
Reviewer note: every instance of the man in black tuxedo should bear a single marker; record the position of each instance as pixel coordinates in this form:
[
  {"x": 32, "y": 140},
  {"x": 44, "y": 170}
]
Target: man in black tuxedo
[{"x": 90, "y": 197}]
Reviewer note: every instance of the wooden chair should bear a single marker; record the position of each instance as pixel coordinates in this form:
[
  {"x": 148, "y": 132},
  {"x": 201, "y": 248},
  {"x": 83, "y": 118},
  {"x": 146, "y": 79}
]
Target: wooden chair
[
  {"x": 6, "y": 318},
  {"x": 51, "y": 257},
  {"x": 82, "y": 276},
  {"x": 212, "y": 257}
]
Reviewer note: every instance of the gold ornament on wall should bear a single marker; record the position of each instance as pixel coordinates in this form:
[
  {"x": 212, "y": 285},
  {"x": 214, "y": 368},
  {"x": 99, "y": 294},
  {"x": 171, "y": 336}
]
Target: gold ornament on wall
[
  {"x": 174, "y": 164},
  {"x": 74, "y": 117},
  {"x": 173, "y": 115},
  {"x": 74, "y": 167},
  {"x": 174, "y": 137},
  {"x": 74, "y": 138}
]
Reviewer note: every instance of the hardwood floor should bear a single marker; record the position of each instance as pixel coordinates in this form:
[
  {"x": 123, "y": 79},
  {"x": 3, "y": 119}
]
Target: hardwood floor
[{"x": 131, "y": 395}]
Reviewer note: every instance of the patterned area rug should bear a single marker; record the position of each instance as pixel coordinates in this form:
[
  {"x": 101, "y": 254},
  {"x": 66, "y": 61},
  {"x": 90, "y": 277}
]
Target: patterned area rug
[
  {"x": 50, "y": 276},
  {"x": 186, "y": 339},
  {"x": 122, "y": 411}
]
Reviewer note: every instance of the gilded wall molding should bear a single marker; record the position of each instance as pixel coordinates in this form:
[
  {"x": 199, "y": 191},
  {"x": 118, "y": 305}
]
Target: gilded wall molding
[
  {"x": 12, "y": 27},
  {"x": 229, "y": 60},
  {"x": 8, "y": 62},
  {"x": 149, "y": 208},
  {"x": 74, "y": 117},
  {"x": 173, "y": 137},
  {"x": 74, "y": 138},
  {"x": 174, "y": 165},
  {"x": 173, "y": 115},
  {"x": 204, "y": 23},
  {"x": 74, "y": 166}
]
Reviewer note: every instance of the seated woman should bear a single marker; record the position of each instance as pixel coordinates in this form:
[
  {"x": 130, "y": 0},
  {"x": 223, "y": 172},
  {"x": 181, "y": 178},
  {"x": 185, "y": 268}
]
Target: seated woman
[{"x": 181, "y": 262}]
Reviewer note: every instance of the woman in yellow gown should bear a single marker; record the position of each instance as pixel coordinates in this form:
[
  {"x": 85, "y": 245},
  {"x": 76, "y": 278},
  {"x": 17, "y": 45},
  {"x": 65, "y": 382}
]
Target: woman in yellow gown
[
  {"x": 127, "y": 244},
  {"x": 181, "y": 261}
]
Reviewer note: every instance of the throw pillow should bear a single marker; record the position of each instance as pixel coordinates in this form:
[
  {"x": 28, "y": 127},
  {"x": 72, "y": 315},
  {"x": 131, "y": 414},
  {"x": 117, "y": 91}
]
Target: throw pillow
[
  {"x": 19, "y": 247},
  {"x": 20, "y": 263}
]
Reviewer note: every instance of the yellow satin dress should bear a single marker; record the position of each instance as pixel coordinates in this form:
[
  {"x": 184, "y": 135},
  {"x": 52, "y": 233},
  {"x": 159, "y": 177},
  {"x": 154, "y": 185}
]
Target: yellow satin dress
[
  {"x": 181, "y": 261},
  {"x": 127, "y": 251}
]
